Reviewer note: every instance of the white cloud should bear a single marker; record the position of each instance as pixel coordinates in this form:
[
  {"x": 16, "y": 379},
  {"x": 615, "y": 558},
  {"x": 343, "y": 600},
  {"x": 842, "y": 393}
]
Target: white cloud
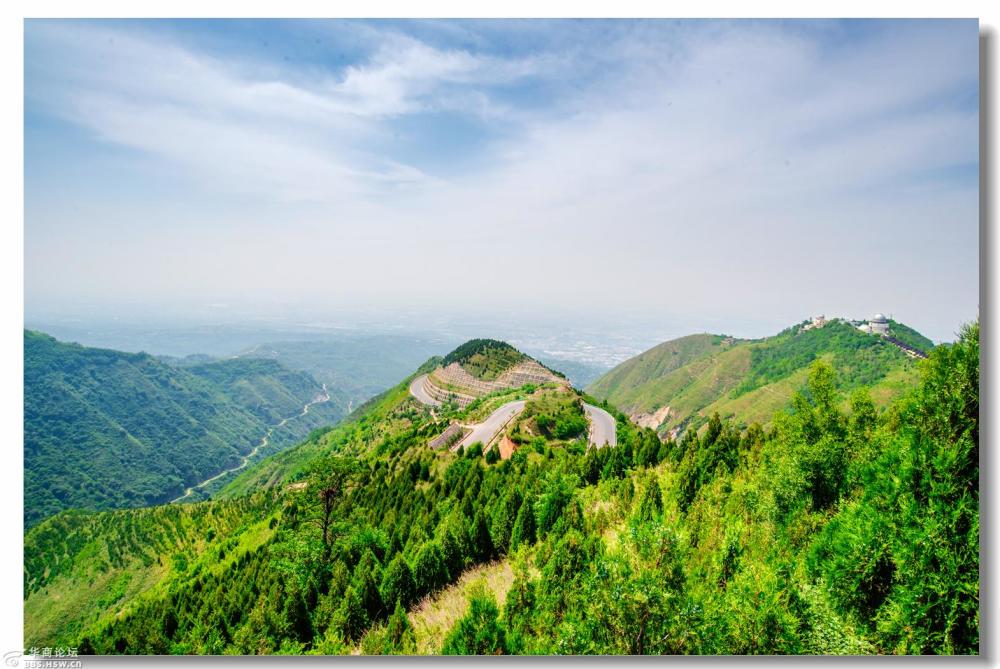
[
  {"x": 734, "y": 168},
  {"x": 240, "y": 127}
]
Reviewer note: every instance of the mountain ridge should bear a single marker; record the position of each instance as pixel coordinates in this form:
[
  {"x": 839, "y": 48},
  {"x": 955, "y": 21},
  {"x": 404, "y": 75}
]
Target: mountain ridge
[
  {"x": 683, "y": 381},
  {"x": 106, "y": 429}
]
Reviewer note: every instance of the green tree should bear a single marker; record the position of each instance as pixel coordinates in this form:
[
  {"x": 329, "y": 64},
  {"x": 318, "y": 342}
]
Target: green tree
[
  {"x": 479, "y": 631},
  {"x": 650, "y": 502},
  {"x": 556, "y": 494},
  {"x": 523, "y": 531},
  {"x": 479, "y": 538},
  {"x": 399, "y": 632},
  {"x": 351, "y": 618},
  {"x": 429, "y": 570},
  {"x": 367, "y": 576},
  {"x": 398, "y": 584},
  {"x": 330, "y": 479}
]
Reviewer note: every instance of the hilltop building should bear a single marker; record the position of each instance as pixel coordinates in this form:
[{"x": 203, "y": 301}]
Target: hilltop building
[
  {"x": 878, "y": 324},
  {"x": 816, "y": 322}
]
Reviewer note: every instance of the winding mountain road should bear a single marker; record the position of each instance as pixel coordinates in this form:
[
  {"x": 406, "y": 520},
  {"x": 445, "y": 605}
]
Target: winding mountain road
[
  {"x": 325, "y": 397},
  {"x": 486, "y": 431},
  {"x": 602, "y": 427},
  {"x": 417, "y": 390},
  {"x": 602, "y": 430}
]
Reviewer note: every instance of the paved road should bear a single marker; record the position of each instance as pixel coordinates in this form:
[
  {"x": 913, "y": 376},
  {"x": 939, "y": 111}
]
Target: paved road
[
  {"x": 602, "y": 427},
  {"x": 417, "y": 390},
  {"x": 489, "y": 428}
]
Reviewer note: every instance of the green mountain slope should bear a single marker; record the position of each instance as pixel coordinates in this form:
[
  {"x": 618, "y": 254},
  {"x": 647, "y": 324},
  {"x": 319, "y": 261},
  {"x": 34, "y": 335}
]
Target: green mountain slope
[
  {"x": 105, "y": 429},
  {"x": 839, "y": 531},
  {"x": 908, "y": 335},
  {"x": 410, "y": 500},
  {"x": 624, "y": 380},
  {"x": 684, "y": 381}
]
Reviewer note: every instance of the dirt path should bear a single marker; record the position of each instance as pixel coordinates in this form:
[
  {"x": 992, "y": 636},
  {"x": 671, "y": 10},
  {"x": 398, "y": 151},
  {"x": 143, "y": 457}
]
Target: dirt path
[{"x": 325, "y": 397}]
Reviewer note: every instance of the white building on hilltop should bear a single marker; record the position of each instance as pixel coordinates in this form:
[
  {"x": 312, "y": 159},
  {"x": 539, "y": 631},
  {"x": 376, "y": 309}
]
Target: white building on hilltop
[
  {"x": 816, "y": 322},
  {"x": 878, "y": 324}
]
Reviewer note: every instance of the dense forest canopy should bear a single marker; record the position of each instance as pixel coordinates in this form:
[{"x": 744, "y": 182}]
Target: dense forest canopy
[{"x": 841, "y": 528}]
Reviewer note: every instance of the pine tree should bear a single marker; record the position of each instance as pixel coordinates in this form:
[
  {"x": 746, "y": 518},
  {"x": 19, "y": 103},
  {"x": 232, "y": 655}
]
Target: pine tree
[
  {"x": 399, "y": 632},
  {"x": 429, "y": 570},
  {"x": 524, "y": 527},
  {"x": 479, "y": 631},
  {"x": 482, "y": 542},
  {"x": 398, "y": 583}
]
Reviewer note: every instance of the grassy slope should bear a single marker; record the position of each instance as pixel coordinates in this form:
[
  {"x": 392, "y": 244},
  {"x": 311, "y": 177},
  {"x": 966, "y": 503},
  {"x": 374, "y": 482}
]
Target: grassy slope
[
  {"x": 758, "y": 406},
  {"x": 433, "y": 617},
  {"x": 908, "y": 335},
  {"x": 622, "y": 384},
  {"x": 696, "y": 376}
]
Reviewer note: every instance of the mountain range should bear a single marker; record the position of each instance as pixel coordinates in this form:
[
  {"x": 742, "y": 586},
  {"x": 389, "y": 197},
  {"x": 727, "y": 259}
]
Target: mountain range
[
  {"x": 840, "y": 527},
  {"x": 106, "y": 429}
]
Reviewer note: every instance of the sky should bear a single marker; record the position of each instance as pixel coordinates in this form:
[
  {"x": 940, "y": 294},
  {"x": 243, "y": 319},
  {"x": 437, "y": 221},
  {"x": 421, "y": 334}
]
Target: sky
[{"x": 733, "y": 176}]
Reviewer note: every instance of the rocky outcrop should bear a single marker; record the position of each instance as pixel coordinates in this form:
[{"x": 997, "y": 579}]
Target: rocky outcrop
[{"x": 651, "y": 420}]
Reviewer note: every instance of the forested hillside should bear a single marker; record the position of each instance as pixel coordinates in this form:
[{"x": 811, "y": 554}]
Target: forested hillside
[
  {"x": 105, "y": 429},
  {"x": 843, "y": 528},
  {"x": 683, "y": 382}
]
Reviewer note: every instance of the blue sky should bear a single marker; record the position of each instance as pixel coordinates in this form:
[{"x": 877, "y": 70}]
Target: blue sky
[{"x": 723, "y": 171}]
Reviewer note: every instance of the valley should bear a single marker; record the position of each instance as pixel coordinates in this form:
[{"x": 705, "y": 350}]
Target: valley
[
  {"x": 107, "y": 429},
  {"x": 325, "y": 397}
]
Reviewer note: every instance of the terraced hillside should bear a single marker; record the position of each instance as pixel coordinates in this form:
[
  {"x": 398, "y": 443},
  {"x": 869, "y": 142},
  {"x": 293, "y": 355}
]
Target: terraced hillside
[
  {"x": 483, "y": 366},
  {"x": 684, "y": 381}
]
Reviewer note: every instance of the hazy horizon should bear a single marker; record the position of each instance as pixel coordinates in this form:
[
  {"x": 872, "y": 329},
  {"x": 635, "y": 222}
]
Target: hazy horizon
[{"x": 650, "y": 178}]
